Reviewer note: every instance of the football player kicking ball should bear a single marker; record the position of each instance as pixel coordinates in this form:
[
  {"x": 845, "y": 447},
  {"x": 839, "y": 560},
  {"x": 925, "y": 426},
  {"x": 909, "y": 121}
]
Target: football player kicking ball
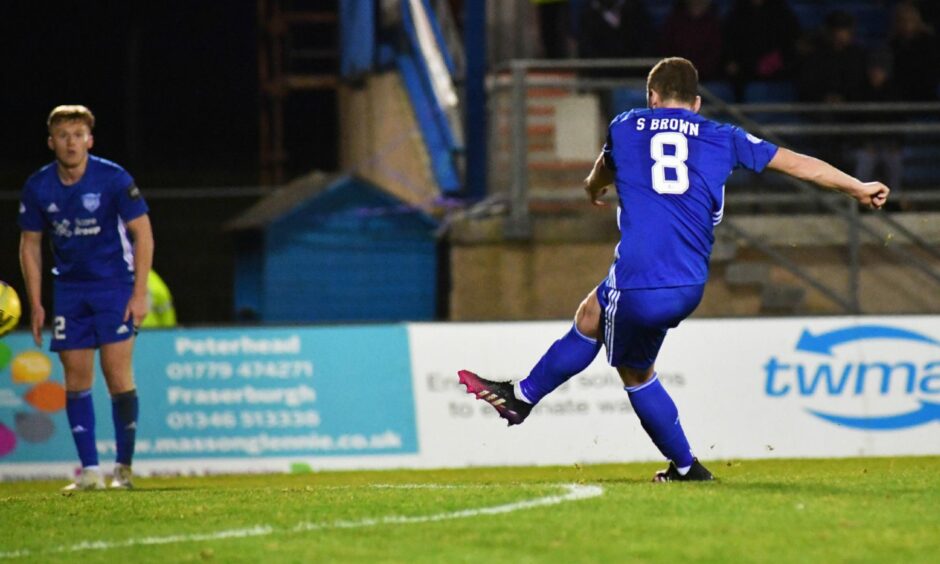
[
  {"x": 669, "y": 166},
  {"x": 102, "y": 247}
]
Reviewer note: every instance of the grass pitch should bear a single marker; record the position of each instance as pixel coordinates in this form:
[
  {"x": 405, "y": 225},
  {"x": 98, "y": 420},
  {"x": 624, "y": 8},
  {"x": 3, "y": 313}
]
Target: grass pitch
[{"x": 865, "y": 510}]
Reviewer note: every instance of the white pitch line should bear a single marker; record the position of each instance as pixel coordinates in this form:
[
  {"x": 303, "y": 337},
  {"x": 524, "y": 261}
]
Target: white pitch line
[
  {"x": 441, "y": 486},
  {"x": 428, "y": 486},
  {"x": 574, "y": 492}
]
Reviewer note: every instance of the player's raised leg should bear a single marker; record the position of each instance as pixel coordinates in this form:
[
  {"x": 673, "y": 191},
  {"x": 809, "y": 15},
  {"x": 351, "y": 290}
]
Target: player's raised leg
[
  {"x": 78, "y": 365},
  {"x": 117, "y": 367},
  {"x": 567, "y": 356}
]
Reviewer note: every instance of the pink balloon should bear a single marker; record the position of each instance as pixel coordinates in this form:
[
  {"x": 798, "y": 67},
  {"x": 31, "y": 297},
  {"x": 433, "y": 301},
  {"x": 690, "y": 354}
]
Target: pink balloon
[{"x": 7, "y": 440}]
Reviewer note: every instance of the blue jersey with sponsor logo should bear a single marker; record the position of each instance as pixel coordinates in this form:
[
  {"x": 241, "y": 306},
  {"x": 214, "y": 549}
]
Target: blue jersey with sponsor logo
[
  {"x": 86, "y": 220},
  {"x": 670, "y": 168}
]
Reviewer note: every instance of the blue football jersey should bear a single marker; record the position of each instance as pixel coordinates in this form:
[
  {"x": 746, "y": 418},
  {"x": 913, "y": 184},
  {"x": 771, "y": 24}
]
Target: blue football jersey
[
  {"x": 670, "y": 168},
  {"x": 86, "y": 221}
]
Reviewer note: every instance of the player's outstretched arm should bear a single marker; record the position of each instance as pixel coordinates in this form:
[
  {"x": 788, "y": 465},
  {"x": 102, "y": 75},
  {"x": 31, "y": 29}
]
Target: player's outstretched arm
[
  {"x": 140, "y": 229},
  {"x": 597, "y": 182},
  {"x": 31, "y": 265},
  {"x": 870, "y": 194}
]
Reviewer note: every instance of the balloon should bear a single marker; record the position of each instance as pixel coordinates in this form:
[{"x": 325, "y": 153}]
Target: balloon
[
  {"x": 46, "y": 396},
  {"x": 30, "y": 367},
  {"x": 7, "y": 440},
  {"x": 34, "y": 427}
]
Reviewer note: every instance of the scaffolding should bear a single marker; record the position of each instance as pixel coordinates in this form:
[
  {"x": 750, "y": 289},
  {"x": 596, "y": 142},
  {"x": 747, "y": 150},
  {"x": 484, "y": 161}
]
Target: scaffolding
[{"x": 297, "y": 52}]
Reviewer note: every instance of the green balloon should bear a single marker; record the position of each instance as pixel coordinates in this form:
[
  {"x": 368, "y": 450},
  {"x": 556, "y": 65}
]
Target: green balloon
[{"x": 5, "y": 355}]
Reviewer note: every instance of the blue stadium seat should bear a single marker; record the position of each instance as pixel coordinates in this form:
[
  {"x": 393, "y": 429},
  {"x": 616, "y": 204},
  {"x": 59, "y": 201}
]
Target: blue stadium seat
[
  {"x": 720, "y": 88},
  {"x": 765, "y": 92},
  {"x": 759, "y": 92},
  {"x": 921, "y": 163},
  {"x": 810, "y": 15},
  {"x": 871, "y": 21},
  {"x": 658, "y": 12},
  {"x": 660, "y": 9},
  {"x": 623, "y": 99},
  {"x": 871, "y": 24}
]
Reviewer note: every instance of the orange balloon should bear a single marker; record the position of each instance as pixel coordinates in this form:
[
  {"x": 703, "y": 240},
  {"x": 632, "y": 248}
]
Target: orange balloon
[
  {"x": 30, "y": 367},
  {"x": 46, "y": 396}
]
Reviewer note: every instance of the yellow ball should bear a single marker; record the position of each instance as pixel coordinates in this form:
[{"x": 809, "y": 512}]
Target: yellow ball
[{"x": 10, "y": 308}]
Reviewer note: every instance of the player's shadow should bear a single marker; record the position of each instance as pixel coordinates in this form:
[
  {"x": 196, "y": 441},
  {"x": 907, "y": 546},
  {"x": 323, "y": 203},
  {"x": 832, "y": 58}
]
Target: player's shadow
[
  {"x": 160, "y": 489},
  {"x": 622, "y": 481},
  {"x": 768, "y": 487},
  {"x": 808, "y": 488},
  {"x": 761, "y": 487}
]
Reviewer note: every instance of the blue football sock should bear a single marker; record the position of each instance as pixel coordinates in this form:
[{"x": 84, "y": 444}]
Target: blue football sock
[
  {"x": 660, "y": 418},
  {"x": 566, "y": 357},
  {"x": 124, "y": 408},
  {"x": 81, "y": 416}
]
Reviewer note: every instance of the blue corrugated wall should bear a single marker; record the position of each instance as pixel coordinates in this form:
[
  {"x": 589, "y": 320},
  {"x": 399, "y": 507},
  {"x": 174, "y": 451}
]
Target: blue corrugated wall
[{"x": 351, "y": 254}]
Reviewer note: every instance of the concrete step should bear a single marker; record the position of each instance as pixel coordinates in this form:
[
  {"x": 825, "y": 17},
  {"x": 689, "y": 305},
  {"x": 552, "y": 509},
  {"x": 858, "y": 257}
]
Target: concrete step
[
  {"x": 562, "y": 166},
  {"x": 782, "y": 298},
  {"x": 555, "y": 177},
  {"x": 747, "y": 274},
  {"x": 724, "y": 251}
]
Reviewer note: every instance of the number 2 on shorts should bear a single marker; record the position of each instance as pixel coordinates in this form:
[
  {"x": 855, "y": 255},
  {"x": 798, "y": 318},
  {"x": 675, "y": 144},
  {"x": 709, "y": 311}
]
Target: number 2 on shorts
[{"x": 58, "y": 331}]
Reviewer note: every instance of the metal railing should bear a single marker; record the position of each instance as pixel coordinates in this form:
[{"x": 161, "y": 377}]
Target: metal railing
[
  {"x": 194, "y": 193},
  {"x": 510, "y": 181}
]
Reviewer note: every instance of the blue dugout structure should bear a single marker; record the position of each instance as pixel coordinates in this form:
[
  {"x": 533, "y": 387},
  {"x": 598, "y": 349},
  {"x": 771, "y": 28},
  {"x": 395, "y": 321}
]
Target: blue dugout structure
[{"x": 334, "y": 249}]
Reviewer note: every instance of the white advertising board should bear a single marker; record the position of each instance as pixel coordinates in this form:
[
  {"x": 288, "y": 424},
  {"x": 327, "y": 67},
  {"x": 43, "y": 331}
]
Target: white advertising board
[{"x": 809, "y": 387}]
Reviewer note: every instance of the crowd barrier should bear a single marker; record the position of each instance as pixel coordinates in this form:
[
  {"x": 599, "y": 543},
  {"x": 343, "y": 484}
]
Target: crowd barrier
[{"x": 386, "y": 396}]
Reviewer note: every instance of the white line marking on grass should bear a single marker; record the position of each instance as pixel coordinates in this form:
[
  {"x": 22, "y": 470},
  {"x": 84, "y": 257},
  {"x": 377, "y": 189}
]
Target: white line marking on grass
[
  {"x": 438, "y": 486},
  {"x": 256, "y": 531},
  {"x": 574, "y": 492},
  {"x": 430, "y": 486}
]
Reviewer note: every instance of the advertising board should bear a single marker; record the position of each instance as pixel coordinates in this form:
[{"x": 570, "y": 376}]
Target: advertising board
[
  {"x": 223, "y": 400},
  {"x": 346, "y": 397}
]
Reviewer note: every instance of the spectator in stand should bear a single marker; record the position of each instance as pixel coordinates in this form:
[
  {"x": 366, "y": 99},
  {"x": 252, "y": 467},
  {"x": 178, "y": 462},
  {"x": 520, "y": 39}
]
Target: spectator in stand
[
  {"x": 615, "y": 29},
  {"x": 880, "y": 149},
  {"x": 692, "y": 30},
  {"x": 834, "y": 70},
  {"x": 916, "y": 54},
  {"x": 760, "y": 42},
  {"x": 553, "y": 27},
  {"x": 930, "y": 12}
]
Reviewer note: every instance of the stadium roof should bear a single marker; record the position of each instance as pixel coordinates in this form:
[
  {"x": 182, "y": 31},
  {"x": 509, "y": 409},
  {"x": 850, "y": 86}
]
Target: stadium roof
[{"x": 283, "y": 200}]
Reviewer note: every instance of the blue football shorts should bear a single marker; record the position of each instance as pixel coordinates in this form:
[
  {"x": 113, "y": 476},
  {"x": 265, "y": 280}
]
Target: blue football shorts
[
  {"x": 90, "y": 314},
  {"x": 634, "y": 322}
]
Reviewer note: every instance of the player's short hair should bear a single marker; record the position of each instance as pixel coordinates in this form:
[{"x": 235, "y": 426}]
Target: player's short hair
[
  {"x": 60, "y": 114},
  {"x": 674, "y": 78}
]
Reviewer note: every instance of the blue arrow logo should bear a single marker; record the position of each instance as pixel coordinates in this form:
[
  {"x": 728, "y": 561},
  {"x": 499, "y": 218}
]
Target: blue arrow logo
[
  {"x": 928, "y": 412},
  {"x": 823, "y": 342}
]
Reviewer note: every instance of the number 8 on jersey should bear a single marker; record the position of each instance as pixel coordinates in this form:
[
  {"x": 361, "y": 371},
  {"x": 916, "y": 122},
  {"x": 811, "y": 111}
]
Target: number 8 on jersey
[{"x": 675, "y": 162}]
